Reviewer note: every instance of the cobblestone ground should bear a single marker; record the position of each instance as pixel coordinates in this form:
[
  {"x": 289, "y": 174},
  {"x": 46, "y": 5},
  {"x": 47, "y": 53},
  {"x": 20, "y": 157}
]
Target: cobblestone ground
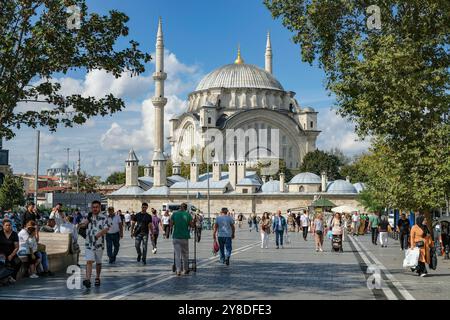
[{"x": 295, "y": 272}]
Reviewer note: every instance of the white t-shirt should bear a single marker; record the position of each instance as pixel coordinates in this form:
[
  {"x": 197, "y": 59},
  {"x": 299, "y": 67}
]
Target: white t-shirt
[
  {"x": 165, "y": 219},
  {"x": 26, "y": 242},
  {"x": 114, "y": 224},
  {"x": 355, "y": 218},
  {"x": 69, "y": 228},
  {"x": 127, "y": 217},
  {"x": 305, "y": 220},
  {"x": 58, "y": 220}
]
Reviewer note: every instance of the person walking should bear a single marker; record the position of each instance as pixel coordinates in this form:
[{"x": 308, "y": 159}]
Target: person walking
[
  {"x": 127, "y": 221},
  {"x": 374, "y": 221},
  {"x": 224, "y": 234},
  {"x": 156, "y": 221},
  {"x": 240, "y": 218},
  {"x": 278, "y": 226},
  {"x": 404, "y": 229},
  {"x": 383, "y": 229},
  {"x": 318, "y": 230},
  {"x": 250, "y": 219},
  {"x": 199, "y": 225},
  {"x": 304, "y": 220},
  {"x": 115, "y": 233},
  {"x": 337, "y": 226},
  {"x": 58, "y": 215},
  {"x": 266, "y": 222},
  {"x": 141, "y": 226},
  {"x": 255, "y": 221},
  {"x": 165, "y": 222},
  {"x": 97, "y": 227},
  {"x": 355, "y": 223},
  {"x": 421, "y": 238},
  {"x": 181, "y": 222},
  {"x": 298, "y": 221}
]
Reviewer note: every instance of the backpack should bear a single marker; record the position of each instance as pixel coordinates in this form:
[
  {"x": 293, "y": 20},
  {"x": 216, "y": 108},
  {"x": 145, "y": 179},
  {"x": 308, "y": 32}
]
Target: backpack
[{"x": 82, "y": 231}]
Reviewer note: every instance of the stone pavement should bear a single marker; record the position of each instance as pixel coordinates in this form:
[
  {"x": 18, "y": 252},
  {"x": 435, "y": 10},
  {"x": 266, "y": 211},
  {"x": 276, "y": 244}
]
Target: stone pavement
[{"x": 295, "y": 272}]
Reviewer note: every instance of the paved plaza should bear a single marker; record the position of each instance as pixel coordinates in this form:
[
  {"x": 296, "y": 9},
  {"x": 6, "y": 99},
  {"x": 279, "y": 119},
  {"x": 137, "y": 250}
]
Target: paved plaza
[{"x": 295, "y": 272}]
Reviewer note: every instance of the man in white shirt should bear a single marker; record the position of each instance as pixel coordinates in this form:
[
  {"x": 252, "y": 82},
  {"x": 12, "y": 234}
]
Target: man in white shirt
[
  {"x": 355, "y": 223},
  {"x": 127, "y": 221},
  {"x": 58, "y": 216},
  {"x": 70, "y": 228},
  {"x": 304, "y": 219},
  {"x": 115, "y": 233}
]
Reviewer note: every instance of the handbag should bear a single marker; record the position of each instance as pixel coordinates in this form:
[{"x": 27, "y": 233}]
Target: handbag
[
  {"x": 433, "y": 259},
  {"x": 420, "y": 244}
]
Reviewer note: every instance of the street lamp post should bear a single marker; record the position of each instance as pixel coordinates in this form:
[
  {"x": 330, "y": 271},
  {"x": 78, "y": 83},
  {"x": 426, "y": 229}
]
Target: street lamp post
[{"x": 207, "y": 166}]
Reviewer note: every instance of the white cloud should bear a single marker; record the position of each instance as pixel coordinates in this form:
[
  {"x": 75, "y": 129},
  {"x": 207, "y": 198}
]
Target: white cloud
[{"x": 339, "y": 133}]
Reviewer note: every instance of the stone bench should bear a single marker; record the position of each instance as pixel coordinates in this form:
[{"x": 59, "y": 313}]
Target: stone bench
[{"x": 59, "y": 249}]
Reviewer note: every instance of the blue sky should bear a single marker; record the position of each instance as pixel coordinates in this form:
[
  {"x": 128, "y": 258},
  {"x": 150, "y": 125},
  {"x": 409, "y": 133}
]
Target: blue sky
[{"x": 200, "y": 36}]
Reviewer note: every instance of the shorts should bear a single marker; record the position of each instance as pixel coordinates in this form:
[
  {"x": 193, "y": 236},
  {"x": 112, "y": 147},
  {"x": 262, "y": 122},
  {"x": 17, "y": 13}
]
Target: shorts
[{"x": 94, "y": 255}]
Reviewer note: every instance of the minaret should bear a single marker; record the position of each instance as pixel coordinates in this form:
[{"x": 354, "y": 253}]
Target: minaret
[
  {"x": 131, "y": 170},
  {"x": 159, "y": 101},
  {"x": 269, "y": 54}
]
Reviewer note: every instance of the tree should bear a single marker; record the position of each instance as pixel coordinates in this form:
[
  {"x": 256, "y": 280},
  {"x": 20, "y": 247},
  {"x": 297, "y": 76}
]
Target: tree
[
  {"x": 40, "y": 40},
  {"x": 88, "y": 184},
  {"x": 355, "y": 170},
  {"x": 12, "y": 193},
  {"x": 367, "y": 199},
  {"x": 320, "y": 161},
  {"x": 343, "y": 159},
  {"x": 288, "y": 175},
  {"x": 392, "y": 82},
  {"x": 116, "y": 178}
]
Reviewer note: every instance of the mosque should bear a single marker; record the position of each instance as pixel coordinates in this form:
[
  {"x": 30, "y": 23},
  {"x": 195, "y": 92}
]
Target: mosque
[{"x": 233, "y": 102}]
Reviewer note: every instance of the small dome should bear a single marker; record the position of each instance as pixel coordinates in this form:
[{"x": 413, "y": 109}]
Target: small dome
[
  {"x": 306, "y": 178},
  {"x": 239, "y": 76},
  {"x": 359, "y": 186},
  {"x": 272, "y": 186},
  {"x": 59, "y": 166},
  {"x": 308, "y": 109},
  {"x": 341, "y": 186}
]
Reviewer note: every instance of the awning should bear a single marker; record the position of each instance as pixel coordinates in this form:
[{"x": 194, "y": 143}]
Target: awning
[{"x": 320, "y": 203}]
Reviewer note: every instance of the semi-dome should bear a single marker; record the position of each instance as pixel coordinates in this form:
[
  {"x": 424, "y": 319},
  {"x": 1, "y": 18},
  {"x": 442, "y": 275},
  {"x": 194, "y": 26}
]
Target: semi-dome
[
  {"x": 306, "y": 178},
  {"x": 272, "y": 186},
  {"x": 360, "y": 186},
  {"x": 239, "y": 76},
  {"x": 341, "y": 186}
]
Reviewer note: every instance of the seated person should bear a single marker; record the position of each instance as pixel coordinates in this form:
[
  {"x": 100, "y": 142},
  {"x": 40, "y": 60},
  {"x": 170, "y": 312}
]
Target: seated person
[
  {"x": 28, "y": 247},
  {"x": 50, "y": 226},
  {"x": 9, "y": 246}
]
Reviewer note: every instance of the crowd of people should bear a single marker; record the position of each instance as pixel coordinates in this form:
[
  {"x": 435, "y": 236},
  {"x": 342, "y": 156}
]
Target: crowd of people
[{"x": 106, "y": 230}]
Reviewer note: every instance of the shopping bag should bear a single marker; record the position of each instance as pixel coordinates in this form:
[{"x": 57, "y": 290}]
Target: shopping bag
[
  {"x": 215, "y": 249},
  {"x": 330, "y": 234},
  {"x": 411, "y": 258}
]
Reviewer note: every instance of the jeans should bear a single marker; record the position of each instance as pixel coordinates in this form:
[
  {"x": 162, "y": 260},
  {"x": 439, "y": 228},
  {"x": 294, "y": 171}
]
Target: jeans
[
  {"x": 374, "y": 235},
  {"x": 155, "y": 240},
  {"x": 279, "y": 237},
  {"x": 141, "y": 239},
  {"x": 383, "y": 238},
  {"x": 224, "y": 248},
  {"x": 166, "y": 228},
  {"x": 305, "y": 232},
  {"x": 404, "y": 236},
  {"x": 112, "y": 241},
  {"x": 256, "y": 226},
  {"x": 15, "y": 264},
  {"x": 199, "y": 234},
  {"x": 44, "y": 260},
  {"x": 181, "y": 248},
  {"x": 264, "y": 240}
]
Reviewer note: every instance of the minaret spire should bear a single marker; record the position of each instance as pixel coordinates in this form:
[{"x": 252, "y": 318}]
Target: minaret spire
[
  {"x": 269, "y": 55},
  {"x": 159, "y": 101},
  {"x": 239, "y": 59}
]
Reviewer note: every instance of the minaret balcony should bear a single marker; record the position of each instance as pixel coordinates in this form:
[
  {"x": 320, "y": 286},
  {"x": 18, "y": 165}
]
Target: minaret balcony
[
  {"x": 159, "y": 76},
  {"x": 159, "y": 101}
]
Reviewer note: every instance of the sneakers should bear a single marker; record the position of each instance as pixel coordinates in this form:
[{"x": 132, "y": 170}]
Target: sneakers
[
  {"x": 34, "y": 276},
  {"x": 423, "y": 275},
  {"x": 154, "y": 251},
  {"x": 321, "y": 250},
  {"x": 227, "y": 261},
  {"x": 278, "y": 247},
  {"x": 138, "y": 258},
  {"x": 144, "y": 262},
  {"x": 317, "y": 250},
  {"x": 282, "y": 247},
  {"x": 11, "y": 280},
  {"x": 185, "y": 273},
  {"x": 178, "y": 273}
]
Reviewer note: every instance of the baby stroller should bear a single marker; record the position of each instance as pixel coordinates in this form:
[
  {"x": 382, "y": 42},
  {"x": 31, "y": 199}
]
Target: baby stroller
[{"x": 336, "y": 243}]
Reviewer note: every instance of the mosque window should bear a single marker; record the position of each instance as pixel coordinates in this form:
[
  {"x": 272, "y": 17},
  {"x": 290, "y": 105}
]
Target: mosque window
[
  {"x": 209, "y": 120},
  {"x": 244, "y": 190},
  {"x": 301, "y": 189},
  {"x": 290, "y": 154},
  {"x": 312, "y": 124}
]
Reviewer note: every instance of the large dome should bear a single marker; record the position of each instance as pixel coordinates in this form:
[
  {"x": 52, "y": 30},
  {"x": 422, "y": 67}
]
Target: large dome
[{"x": 239, "y": 76}]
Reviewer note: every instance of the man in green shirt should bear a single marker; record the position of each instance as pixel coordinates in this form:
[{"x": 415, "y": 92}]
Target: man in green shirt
[
  {"x": 181, "y": 222},
  {"x": 374, "y": 221}
]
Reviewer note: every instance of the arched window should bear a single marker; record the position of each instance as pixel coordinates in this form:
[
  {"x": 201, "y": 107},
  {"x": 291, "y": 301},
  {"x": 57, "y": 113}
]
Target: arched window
[{"x": 301, "y": 189}]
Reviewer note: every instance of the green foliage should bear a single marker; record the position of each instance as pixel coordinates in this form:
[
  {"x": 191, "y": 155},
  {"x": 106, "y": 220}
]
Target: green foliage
[
  {"x": 367, "y": 199},
  {"x": 355, "y": 170},
  {"x": 320, "y": 161},
  {"x": 12, "y": 193},
  {"x": 393, "y": 83},
  {"x": 37, "y": 43},
  {"x": 87, "y": 183},
  {"x": 116, "y": 178}
]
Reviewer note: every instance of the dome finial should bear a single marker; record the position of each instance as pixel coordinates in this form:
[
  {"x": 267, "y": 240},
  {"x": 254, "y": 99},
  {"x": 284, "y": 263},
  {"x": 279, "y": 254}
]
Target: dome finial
[{"x": 239, "y": 59}]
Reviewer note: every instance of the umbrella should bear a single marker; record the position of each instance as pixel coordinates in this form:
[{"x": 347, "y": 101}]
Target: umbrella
[{"x": 344, "y": 209}]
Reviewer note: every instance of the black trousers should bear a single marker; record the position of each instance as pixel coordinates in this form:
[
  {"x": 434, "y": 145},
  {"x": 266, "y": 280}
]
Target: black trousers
[
  {"x": 404, "y": 236},
  {"x": 374, "y": 235},
  {"x": 305, "y": 232},
  {"x": 154, "y": 238},
  {"x": 14, "y": 264},
  {"x": 166, "y": 228}
]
